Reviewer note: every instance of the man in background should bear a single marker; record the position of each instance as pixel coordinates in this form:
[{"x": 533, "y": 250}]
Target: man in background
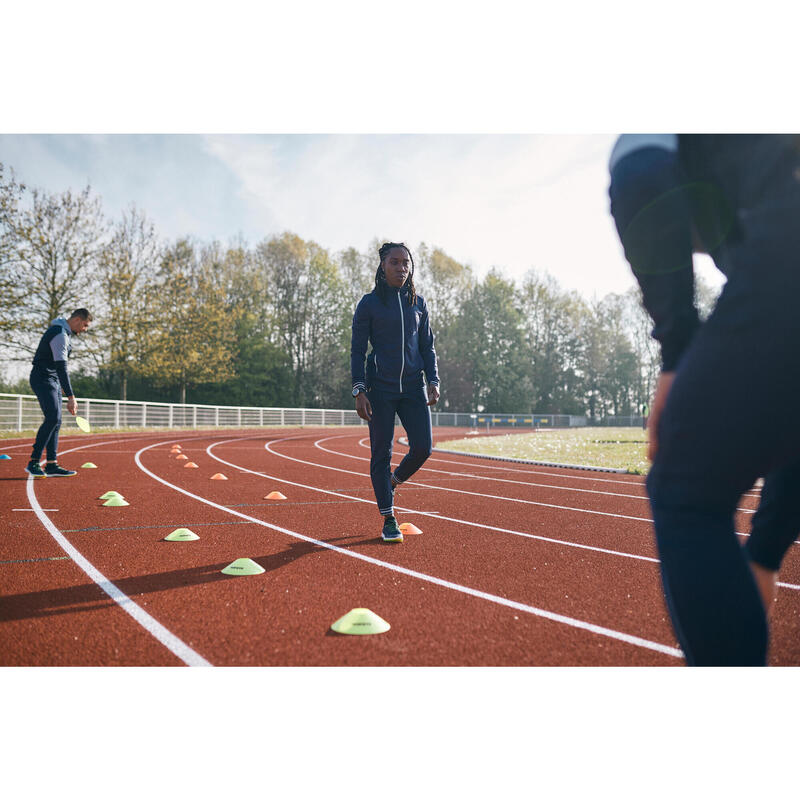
[{"x": 49, "y": 378}]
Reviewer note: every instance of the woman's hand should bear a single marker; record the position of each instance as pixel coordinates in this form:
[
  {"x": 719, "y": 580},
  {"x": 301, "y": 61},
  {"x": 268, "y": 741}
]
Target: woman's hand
[{"x": 363, "y": 407}]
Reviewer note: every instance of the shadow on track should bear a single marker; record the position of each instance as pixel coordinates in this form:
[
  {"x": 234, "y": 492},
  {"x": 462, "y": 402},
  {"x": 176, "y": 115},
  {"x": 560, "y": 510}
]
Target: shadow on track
[{"x": 90, "y": 597}]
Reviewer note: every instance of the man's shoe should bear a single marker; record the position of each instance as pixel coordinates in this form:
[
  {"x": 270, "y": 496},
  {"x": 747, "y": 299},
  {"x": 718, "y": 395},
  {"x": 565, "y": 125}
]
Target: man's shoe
[
  {"x": 54, "y": 471},
  {"x": 390, "y": 532},
  {"x": 35, "y": 468}
]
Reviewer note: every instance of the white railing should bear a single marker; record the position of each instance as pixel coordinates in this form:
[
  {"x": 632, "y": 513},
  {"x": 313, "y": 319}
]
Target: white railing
[{"x": 19, "y": 412}]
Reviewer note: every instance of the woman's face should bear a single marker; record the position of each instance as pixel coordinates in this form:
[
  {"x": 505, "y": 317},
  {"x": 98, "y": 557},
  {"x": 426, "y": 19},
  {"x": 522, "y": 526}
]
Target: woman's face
[{"x": 397, "y": 267}]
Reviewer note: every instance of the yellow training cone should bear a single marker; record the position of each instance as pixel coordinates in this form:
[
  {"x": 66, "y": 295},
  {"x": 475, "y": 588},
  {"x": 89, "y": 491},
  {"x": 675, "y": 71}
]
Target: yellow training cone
[
  {"x": 407, "y": 527},
  {"x": 115, "y": 501},
  {"x": 360, "y": 621},
  {"x": 190, "y": 465},
  {"x": 275, "y": 496},
  {"x": 181, "y": 535},
  {"x": 88, "y": 465},
  {"x": 243, "y": 566},
  {"x": 181, "y": 457},
  {"x": 218, "y": 477},
  {"x": 108, "y": 494}
]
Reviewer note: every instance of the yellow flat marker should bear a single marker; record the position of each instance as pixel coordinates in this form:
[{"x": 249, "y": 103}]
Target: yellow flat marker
[
  {"x": 181, "y": 535},
  {"x": 360, "y": 622},
  {"x": 116, "y": 501},
  {"x": 110, "y": 493},
  {"x": 83, "y": 424},
  {"x": 243, "y": 566},
  {"x": 88, "y": 465}
]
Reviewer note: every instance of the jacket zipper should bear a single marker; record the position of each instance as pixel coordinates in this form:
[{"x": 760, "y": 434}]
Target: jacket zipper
[{"x": 403, "y": 342}]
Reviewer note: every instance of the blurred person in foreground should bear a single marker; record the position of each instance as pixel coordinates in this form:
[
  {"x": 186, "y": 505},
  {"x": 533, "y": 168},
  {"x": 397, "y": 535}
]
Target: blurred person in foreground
[{"x": 718, "y": 419}]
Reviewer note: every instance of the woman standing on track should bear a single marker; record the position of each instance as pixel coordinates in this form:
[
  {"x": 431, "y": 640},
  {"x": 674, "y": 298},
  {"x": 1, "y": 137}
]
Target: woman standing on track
[{"x": 393, "y": 318}]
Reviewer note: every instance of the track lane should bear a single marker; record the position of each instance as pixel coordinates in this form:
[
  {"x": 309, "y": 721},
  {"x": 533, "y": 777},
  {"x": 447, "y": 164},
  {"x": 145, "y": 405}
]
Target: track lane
[{"x": 240, "y": 623}]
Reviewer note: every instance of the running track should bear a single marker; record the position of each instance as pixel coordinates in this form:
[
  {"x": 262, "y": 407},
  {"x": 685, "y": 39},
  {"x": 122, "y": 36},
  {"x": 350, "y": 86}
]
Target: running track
[{"x": 517, "y": 564}]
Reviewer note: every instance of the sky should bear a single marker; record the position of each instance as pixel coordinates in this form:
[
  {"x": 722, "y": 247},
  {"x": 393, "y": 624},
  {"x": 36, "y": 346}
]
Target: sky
[{"x": 512, "y": 202}]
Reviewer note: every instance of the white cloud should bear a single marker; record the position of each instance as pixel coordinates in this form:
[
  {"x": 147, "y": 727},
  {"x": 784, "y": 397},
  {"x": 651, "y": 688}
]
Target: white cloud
[{"x": 514, "y": 202}]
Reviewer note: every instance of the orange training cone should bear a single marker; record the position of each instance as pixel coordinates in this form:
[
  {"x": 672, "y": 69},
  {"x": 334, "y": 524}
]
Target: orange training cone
[
  {"x": 190, "y": 465},
  {"x": 218, "y": 477},
  {"x": 275, "y": 496},
  {"x": 182, "y": 457},
  {"x": 407, "y": 528}
]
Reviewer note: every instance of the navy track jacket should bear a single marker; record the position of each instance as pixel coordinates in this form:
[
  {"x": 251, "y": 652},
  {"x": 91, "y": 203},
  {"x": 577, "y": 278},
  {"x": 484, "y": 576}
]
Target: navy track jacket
[
  {"x": 53, "y": 352},
  {"x": 402, "y": 343}
]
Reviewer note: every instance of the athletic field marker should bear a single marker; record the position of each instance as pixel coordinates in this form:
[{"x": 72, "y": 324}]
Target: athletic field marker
[
  {"x": 243, "y": 566},
  {"x": 360, "y": 622},
  {"x": 181, "y": 535}
]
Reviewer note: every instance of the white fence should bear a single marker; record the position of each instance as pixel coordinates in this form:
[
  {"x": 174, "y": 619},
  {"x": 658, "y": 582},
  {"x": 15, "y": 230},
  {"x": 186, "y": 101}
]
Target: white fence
[{"x": 19, "y": 412}]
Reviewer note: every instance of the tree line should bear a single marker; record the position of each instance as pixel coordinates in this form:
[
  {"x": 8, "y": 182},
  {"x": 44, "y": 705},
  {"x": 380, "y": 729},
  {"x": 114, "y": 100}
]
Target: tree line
[{"x": 269, "y": 324}]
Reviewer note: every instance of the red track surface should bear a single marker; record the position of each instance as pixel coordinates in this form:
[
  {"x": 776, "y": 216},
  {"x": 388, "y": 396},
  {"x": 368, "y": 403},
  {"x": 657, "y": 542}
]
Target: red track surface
[{"x": 508, "y": 547}]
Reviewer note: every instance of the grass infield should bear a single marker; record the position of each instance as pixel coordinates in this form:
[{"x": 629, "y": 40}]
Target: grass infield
[{"x": 622, "y": 448}]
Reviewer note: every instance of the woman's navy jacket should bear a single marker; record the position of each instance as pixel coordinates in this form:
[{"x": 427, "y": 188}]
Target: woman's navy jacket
[{"x": 402, "y": 343}]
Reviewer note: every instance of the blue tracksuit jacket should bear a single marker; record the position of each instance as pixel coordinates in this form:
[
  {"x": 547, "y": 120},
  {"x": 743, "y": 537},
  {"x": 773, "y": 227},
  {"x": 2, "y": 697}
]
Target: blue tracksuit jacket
[{"x": 402, "y": 343}]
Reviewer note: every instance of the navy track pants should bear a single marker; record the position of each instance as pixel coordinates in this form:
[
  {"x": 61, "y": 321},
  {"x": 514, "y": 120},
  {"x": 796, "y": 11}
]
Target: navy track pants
[
  {"x": 412, "y": 408},
  {"x": 48, "y": 392}
]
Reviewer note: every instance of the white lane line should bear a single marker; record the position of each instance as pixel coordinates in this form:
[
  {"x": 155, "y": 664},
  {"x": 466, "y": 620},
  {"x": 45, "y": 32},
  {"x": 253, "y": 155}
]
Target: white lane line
[
  {"x": 533, "y": 610},
  {"x": 151, "y": 625},
  {"x": 365, "y": 443},
  {"x": 482, "y": 477},
  {"x": 508, "y": 480},
  {"x": 481, "y": 494},
  {"x": 500, "y": 480},
  {"x": 466, "y": 522},
  {"x": 33, "y": 509},
  {"x": 435, "y": 514}
]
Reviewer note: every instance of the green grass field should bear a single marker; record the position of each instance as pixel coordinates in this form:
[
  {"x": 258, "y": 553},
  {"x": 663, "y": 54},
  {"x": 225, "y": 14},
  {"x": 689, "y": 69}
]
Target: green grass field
[{"x": 622, "y": 448}]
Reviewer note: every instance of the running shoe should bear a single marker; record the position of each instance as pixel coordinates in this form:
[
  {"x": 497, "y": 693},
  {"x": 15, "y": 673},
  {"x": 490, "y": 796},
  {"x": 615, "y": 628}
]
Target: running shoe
[
  {"x": 390, "y": 532},
  {"x": 35, "y": 468},
  {"x": 54, "y": 471}
]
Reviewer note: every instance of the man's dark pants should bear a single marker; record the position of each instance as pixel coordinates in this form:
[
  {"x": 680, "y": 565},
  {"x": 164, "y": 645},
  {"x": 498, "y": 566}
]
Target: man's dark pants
[
  {"x": 729, "y": 419},
  {"x": 48, "y": 391}
]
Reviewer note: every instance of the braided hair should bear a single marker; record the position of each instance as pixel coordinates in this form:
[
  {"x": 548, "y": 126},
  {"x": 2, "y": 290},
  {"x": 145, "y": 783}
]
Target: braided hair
[{"x": 380, "y": 275}]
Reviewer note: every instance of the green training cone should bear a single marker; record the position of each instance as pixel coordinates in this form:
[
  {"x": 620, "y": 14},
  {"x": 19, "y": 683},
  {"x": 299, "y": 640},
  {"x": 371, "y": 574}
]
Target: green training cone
[
  {"x": 108, "y": 494},
  {"x": 360, "y": 621},
  {"x": 181, "y": 535},
  {"x": 116, "y": 501},
  {"x": 88, "y": 465},
  {"x": 243, "y": 566}
]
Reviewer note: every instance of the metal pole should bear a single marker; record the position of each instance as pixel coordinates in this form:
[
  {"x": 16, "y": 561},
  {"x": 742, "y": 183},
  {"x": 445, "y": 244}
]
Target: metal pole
[{"x": 19, "y": 413}]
